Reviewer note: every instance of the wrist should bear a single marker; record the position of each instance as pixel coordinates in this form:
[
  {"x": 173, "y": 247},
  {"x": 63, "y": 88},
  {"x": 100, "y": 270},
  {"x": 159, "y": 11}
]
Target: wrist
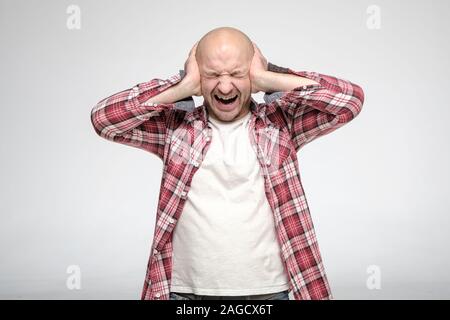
[
  {"x": 172, "y": 94},
  {"x": 271, "y": 81},
  {"x": 189, "y": 87},
  {"x": 259, "y": 81}
]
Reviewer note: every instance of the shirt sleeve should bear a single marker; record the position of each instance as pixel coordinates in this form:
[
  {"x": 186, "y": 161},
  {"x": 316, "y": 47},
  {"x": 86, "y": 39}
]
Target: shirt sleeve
[
  {"x": 317, "y": 109},
  {"x": 126, "y": 117}
]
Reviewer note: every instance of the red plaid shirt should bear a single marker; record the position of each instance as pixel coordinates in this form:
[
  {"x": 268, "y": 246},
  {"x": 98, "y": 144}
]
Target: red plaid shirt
[{"x": 178, "y": 133}]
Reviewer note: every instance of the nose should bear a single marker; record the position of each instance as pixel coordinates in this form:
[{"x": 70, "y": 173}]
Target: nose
[{"x": 225, "y": 85}]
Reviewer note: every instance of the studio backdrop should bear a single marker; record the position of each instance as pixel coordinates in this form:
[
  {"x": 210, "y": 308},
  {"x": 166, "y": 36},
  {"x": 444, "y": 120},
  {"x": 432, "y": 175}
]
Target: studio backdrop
[{"x": 78, "y": 212}]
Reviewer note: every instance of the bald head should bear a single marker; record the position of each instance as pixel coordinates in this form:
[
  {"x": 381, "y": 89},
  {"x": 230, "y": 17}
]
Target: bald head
[{"x": 224, "y": 43}]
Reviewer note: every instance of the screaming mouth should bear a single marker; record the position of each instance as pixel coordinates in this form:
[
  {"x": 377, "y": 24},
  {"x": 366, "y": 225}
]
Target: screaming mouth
[{"x": 226, "y": 101}]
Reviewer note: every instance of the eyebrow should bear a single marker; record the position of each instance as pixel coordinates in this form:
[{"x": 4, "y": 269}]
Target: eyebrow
[{"x": 234, "y": 71}]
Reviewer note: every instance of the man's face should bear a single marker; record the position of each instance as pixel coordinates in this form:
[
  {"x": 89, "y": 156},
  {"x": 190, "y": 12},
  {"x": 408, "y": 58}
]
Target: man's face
[{"x": 225, "y": 80}]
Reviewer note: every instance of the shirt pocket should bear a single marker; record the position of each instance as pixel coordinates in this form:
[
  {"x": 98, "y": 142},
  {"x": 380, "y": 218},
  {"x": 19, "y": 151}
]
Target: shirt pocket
[{"x": 276, "y": 147}]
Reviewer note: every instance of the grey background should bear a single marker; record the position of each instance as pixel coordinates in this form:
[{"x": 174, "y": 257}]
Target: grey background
[{"x": 377, "y": 188}]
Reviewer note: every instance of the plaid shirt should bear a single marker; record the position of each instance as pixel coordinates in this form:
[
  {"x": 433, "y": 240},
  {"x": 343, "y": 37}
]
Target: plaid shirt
[{"x": 178, "y": 133}]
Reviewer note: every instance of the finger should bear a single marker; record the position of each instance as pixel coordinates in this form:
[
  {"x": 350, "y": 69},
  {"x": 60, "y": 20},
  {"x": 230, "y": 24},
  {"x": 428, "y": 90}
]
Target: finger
[
  {"x": 192, "y": 51},
  {"x": 194, "y": 48}
]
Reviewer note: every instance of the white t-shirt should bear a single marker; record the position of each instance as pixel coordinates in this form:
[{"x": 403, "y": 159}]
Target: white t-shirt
[{"x": 225, "y": 241}]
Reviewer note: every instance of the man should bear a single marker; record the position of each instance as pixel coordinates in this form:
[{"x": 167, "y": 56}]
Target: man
[{"x": 232, "y": 220}]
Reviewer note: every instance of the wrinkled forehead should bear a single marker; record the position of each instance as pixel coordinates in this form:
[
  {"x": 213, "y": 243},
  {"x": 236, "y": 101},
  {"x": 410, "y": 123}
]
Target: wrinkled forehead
[{"x": 224, "y": 56}]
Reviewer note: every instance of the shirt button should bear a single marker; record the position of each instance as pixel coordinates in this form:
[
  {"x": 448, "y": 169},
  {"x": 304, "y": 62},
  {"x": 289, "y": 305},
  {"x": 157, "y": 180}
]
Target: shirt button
[
  {"x": 304, "y": 87},
  {"x": 155, "y": 252},
  {"x": 157, "y": 295},
  {"x": 171, "y": 220},
  {"x": 267, "y": 162},
  {"x": 183, "y": 194}
]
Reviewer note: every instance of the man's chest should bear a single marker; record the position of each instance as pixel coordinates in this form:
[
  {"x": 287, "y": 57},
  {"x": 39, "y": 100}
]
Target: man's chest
[{"x": 193, "y": 145}]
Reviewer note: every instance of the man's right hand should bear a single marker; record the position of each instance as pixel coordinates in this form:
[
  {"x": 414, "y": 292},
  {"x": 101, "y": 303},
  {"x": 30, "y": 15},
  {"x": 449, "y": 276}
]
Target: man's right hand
[
  {"x": 187, "y": 87},
  {"x": 192, "y": 77}
]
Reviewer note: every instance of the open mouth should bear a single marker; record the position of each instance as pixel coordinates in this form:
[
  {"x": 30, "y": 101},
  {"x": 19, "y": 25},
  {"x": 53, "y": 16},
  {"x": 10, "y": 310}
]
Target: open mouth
[{"x": 226, "y": 101}]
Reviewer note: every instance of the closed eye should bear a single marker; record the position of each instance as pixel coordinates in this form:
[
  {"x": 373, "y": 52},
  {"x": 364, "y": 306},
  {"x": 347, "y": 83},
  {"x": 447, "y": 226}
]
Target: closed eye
[{"x": 234, "y": 74}]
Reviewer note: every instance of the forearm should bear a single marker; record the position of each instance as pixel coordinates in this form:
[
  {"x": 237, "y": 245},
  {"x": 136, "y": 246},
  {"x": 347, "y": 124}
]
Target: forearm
[
  {"x": 325, "y": 93},
  {"x": 173, "y": 94},
  {"x": 269, "y": 81},
  {"x": 127, "y": 109},
  {"x": 315, "y": 107}
]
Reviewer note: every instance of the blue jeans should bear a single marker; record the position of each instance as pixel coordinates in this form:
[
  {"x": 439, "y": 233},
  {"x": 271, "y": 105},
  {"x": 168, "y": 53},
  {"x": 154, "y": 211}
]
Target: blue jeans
[{"x": 283, "y": 295}]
